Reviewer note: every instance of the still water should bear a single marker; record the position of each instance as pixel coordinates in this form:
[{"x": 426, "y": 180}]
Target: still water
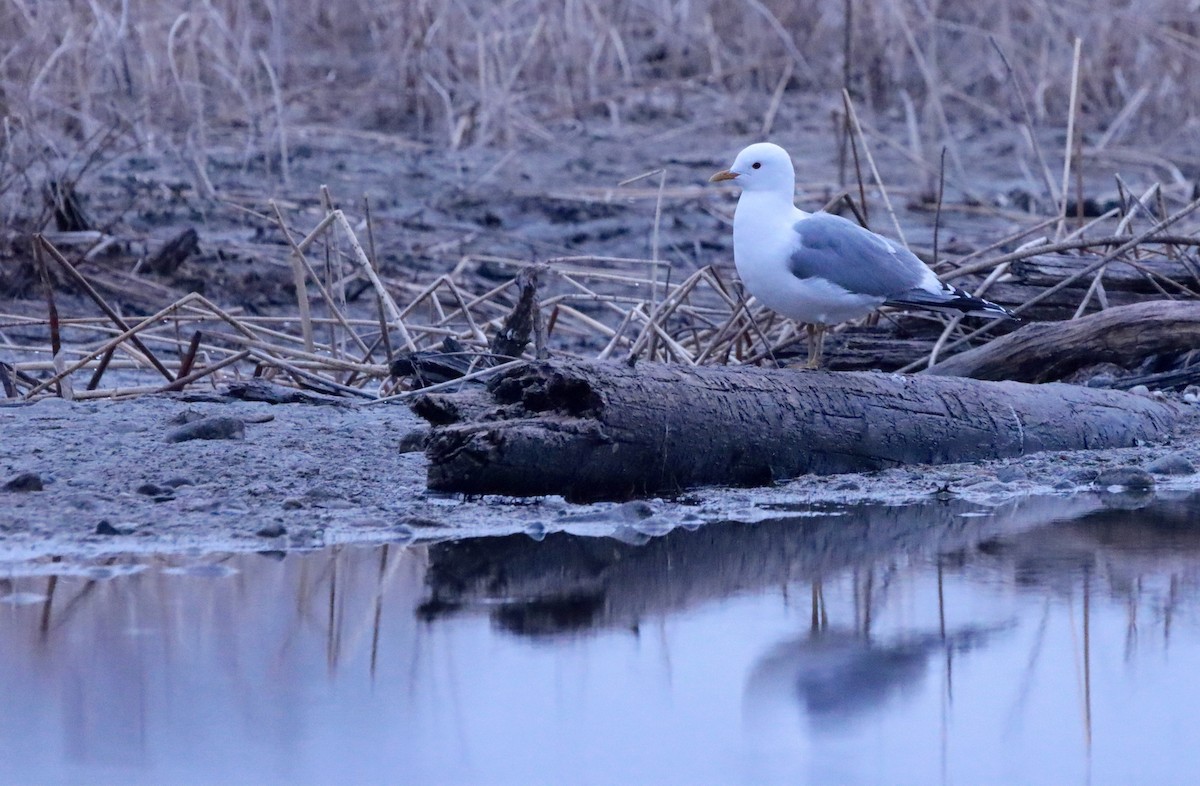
[{"x": 1053, "y": 640}]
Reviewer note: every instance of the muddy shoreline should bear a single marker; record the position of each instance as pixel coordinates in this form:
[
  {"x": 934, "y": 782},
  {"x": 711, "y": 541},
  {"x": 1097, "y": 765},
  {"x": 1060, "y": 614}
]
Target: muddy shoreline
[
  {"x": 318, "y": 475},
  {"x": 305, "y": 476}
]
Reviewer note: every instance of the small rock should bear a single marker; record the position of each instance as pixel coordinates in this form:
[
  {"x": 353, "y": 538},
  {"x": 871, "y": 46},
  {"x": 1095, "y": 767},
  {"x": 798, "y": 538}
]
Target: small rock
[
  {"x": 415, "y": 441},
  {"x": 209, "y": 428},
  {"x": 1172, "y": 464},
  {"x": 633, "y": 511},
  {"x": 847, "y": 485},
  {"x": 1125, "y": 477},
  {"x": 420, "y": 521},
  {"x": 186, "y": 416},
  {"x": 152, "y": 490},
  {"x": 26, "y": 481},
  {"x": 1063, "y": 485},
  {"x": 293, "y": 503},
  {"x": 1009, "y": 474},
  {"x": 1140, "y": 390},
  {"x": 105, "y": 528},
  {"x": 272, "y": 531},
  {"x": 1082, "y": 475},
  {"x": 176, "y": 482},
  {"x": 991, "y": 487}
]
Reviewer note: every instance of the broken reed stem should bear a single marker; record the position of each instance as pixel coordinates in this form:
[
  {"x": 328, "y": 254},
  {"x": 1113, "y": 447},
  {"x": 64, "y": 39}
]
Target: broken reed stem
[
  {"x": 315, "y": 379},
  {"x": 189, "y": 357},
  {"x": 298, "y": 280},
  {"x": 887, "y": 203},
  {"x": 1068, "y": 154},
  {"x": 187, "y": 379},
  {"x": 94, "y": 382},
  {"x": 1066, "y": 282},
  {"x": 1029, "y": 132},
  {"x": 361, "y": 257},
  {"x": 474, "y": 375},
  {"x": 87, "y": 288},
  {"x": 1069, "y": 245},
  {"x": 128, "y": 334},
  {"x": 384, "y": 333}
]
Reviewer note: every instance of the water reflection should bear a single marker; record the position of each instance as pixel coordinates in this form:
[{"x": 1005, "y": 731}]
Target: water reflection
[{"x": 1050, "y": 640}]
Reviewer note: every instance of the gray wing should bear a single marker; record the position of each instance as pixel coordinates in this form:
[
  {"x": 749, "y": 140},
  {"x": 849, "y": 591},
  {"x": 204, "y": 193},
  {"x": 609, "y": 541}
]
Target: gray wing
[{"x": 856, "y": 259}]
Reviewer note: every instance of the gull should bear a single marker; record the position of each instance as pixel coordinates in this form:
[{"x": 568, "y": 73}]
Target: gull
[{"x": 819, "y": 268}]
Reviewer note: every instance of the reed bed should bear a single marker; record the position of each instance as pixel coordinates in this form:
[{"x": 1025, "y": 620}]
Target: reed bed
[
  {"x": 88, "y": 83},
  {"x": 607, "y": 308},
  {"x": 88, "y": 79}
]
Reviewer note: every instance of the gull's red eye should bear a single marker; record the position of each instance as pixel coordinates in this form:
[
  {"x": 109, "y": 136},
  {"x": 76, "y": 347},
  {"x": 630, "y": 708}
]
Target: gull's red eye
[{"x": 756, "y": 165}]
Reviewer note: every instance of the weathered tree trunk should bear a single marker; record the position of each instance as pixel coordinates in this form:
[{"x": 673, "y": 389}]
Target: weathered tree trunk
[
  {"x": 1050, "y": 350},
  {"x": 591, "y": 430}
]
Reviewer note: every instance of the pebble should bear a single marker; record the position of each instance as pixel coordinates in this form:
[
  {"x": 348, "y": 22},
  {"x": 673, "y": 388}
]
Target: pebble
[
  {"x": 105, "y": 528},
  {"x": 293, "y": 503},
  {"x": 415, "y": 440},
  {"x": 1171, "y": 464},
  {"x": 209, "y": 428},
  {"x": 186, "y": 416},
  {"x": 1009, "y": 474},
  {"x": 1082, "y": 475},
  {"x": 1140, "y": 390},
  {"x": 272, "y": 531},
  {"x": 633, "y": 511},
  {"x": 26, "y": 481},
  {"x": 1125, "y": 477},
  {"x": 420, "y": 521}
]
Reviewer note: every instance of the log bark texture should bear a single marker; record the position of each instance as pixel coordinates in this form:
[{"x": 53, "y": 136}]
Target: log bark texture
[
  {"x": 590, "y": 430},
  {"x": 1043, "y": 351}
]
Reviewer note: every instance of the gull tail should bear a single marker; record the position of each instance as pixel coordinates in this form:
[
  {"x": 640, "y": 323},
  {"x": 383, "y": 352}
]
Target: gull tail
[{"x": 950, "y": 298}]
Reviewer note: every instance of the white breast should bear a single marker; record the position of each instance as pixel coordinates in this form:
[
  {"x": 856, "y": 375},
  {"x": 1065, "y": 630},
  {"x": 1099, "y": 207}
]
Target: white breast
[{"x": 763, "y": 242}]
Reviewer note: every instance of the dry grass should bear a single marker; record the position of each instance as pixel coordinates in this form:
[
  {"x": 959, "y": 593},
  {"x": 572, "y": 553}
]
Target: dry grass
[
  {"x": 459, "y": 72},
  {"x": 623, "y": 309}
]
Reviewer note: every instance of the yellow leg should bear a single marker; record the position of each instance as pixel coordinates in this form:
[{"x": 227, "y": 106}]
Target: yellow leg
[{"x": 816, "y": 340}]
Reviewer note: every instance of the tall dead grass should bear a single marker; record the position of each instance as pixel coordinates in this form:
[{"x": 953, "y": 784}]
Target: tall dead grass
[{"x": 460, "y": 72}]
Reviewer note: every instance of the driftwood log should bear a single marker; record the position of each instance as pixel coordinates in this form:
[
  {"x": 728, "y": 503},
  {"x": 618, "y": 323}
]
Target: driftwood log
[
  {"x": 592, "y": 430},
  {"x": 1043, "y": 351}
]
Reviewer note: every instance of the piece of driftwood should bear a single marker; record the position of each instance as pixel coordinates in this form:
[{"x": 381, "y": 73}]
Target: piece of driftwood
[
  {"x": 524, "y": 321},
  {"x": 1051, "y": 350},
  {"x": 593, "y": 430}
]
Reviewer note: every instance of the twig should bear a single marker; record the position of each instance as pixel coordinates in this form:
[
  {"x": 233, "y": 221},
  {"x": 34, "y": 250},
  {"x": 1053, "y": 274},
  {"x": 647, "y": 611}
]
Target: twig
[
  {"x": 887, "y": 203},
  {"x": 185, "y": 380},
  {"x": 99, "y": 301},
  {"x": 1068, "y": 154}
]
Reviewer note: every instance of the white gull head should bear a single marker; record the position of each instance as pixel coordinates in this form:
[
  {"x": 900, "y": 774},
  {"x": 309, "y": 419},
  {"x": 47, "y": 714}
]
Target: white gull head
[{"x": 762, "y": 167}]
